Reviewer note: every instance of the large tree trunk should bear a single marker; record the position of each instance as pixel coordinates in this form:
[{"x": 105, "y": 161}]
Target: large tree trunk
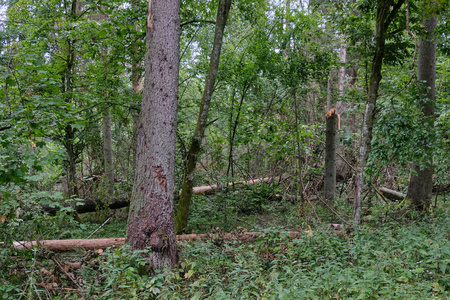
[
  {"x": 194, "y": 149},
  {"x": 384, "y": 17},
  {"x": 421, "y": 181},
  {"x": 150, "y": 222}
]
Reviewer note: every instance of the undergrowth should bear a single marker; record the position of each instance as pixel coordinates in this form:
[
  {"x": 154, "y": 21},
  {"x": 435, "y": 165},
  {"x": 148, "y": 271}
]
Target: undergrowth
[
  {"x": 378, "y": 261},
  {"x": 393, "y": 255}
]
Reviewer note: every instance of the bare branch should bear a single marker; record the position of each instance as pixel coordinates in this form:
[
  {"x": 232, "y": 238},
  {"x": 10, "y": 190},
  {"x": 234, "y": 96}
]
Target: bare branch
[{"x": 197, "y": 21}]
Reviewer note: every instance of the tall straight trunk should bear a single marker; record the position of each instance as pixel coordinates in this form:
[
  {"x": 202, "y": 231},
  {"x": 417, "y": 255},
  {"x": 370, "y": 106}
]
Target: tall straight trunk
[
  {"x": 421, "y": 181},
  {"x": 106, "y": 120},
  {"x": 384, "y": 17},
  {"x": 150, "y": 222},
  {"x": 67, "y": 92},
  {"x": 194, "y": 149}
]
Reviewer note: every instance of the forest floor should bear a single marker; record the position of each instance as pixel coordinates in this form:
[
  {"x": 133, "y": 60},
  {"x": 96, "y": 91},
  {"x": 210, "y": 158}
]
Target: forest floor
[{"x": 393, "y": 255}]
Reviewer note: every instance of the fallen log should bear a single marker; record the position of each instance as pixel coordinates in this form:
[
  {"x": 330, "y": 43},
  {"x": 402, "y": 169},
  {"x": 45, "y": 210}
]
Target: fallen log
[
  {"x": 391, "y": 194},
  {"x": 211, "y": 189},
  {"x": 93, "y": 244},
  {"x": 67, "y": 245},
  {"x": 91, "y": 205}
]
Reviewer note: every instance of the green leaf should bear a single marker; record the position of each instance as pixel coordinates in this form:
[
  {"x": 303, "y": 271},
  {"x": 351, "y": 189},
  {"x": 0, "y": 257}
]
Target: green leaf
[{"x": 443, "y": 266}]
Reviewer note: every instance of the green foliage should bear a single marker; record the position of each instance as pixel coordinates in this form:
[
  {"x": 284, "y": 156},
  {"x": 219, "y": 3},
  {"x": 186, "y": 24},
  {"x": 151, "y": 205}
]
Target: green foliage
[
  {"x": 391, "y": 261},
  {"x": 60, "y": 69},
  {"x": 380, "y": 260}
]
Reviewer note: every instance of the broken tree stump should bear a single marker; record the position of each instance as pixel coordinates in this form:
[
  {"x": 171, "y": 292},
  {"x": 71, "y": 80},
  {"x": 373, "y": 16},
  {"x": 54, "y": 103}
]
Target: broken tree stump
[{"x": 330, "y": 154}]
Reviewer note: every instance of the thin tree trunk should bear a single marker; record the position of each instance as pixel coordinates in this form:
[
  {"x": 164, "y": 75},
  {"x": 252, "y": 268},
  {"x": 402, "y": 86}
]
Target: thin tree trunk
[
  {"x": 330, "y": 157},
  {"x": 137, "y": 89},
  {"x": 421, "y": 182},
  {"x": 329, "y": 92},
  {"x": 342, "y": 70},
  {"x": 150, "y": 222},
  {"x": 194, "y": 149},
  {"x": 299, "y": 149},
  {"x": 384, "y": 17},
  {"x": 233, "y": 128},
  {"x": 286, "y": 29},
  {"x": 72, "y": 189},
  {"x": 8, "y": 69},
  {"x": 136, "y": 81},
  {"x": 69, "y": 137},
  {"x": 340, "y": 105},
  {"x": 67, "y": 90},
  {"x": 107, "y": 151},
  {"x": 107, "y": 136}
]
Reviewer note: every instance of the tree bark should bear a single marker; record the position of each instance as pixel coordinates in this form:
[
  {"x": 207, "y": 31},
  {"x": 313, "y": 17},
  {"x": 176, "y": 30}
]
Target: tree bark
[
  {"x": 194, "y": 149},
  {"x": 330, "y": 157},
  {"x": 421, "y": 181},
  {"x": 384, "y": 17},
  {"x": 150, "y": 222},
  {"x": 341, "y": 106}
]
